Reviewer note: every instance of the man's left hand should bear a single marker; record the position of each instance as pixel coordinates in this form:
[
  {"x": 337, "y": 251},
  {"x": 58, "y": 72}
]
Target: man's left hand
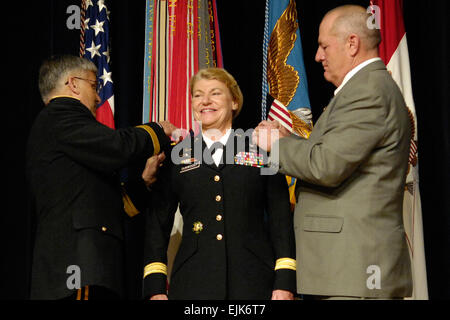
[{"x": 151, "y": 168}]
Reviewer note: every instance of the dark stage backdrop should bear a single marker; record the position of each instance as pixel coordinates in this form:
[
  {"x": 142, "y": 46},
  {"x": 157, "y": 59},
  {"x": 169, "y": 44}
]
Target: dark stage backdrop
[{"x": 38, "y": 29}]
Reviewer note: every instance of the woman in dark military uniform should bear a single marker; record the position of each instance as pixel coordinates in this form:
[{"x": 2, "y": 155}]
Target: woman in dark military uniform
[{"x": 238, "y": 240}]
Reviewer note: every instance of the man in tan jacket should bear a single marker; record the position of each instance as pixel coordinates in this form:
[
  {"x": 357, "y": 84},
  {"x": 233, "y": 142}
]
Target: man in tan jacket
[{"x": 348, "y": 219}]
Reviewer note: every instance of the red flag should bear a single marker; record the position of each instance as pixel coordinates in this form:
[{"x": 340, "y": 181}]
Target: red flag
[
  {"x": 394, "y": 52},
  {"x": 181, "y": 38}
]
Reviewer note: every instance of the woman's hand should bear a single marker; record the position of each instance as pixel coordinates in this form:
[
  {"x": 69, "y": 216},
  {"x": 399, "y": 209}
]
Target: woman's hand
[
  {"x": 282, "y": 295},
  {"x": 159, "y": 297}
]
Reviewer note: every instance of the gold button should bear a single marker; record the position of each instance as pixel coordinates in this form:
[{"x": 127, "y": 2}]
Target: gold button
[
  {"x": 217, "y": 178},
  {"x": 104, "y": 229},
  {"x": 219, "y": 237},
  {"x": 218, "y": 198},
  {"x": 219, "y": 217}
]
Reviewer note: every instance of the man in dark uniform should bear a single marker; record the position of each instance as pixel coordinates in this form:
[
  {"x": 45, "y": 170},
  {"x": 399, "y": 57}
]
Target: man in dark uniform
[{"x": 72, "y": 164}]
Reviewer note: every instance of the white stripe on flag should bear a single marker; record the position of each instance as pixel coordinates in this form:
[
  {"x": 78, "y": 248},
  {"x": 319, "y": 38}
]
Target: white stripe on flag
[
  {"x": 281, "y": 107},
  {"x": 279, "y": 112},
  {"x": 111, "y": 103},
  {"x": 273, "y": 116},
  {"x": 399, "y": 66}
]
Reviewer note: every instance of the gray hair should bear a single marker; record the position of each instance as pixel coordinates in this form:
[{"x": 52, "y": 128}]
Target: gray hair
[
  {"x": 54, "y": 69},
  {"x": 353, "y": 19}
]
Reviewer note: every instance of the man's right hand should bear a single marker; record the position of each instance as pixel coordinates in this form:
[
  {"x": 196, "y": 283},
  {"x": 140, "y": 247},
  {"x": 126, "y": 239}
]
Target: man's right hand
[
  {"x": 168, "y": 127},
  {"x": 267, "y": 132}
]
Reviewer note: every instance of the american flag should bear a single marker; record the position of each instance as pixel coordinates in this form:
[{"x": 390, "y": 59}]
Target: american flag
[
  {"x": 280, "y": 113},
  {"x": 95, "y": 47}
]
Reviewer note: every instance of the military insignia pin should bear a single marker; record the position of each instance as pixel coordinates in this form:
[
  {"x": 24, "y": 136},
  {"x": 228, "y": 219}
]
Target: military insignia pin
[
  {"x": 198, "y": 227},
  {"x": 192, "y": 166},
  {"x": 188, "y": 161}
]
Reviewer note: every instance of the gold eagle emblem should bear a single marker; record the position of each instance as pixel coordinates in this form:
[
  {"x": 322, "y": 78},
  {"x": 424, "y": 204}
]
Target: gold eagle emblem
[
  {"x": 283, "y": 79},
  {"x": 301, "y": 127}
]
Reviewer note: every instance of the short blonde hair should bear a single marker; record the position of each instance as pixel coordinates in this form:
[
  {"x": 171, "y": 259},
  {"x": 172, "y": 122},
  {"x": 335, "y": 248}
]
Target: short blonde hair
[{"x": 223, "y": 76}]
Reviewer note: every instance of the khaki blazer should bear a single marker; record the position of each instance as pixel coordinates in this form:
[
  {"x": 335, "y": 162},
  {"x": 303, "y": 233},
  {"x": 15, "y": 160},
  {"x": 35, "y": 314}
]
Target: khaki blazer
[{"x": 350, "y": 239}]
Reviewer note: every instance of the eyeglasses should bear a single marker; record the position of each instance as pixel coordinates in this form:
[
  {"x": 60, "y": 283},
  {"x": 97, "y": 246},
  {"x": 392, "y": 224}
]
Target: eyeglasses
[{"x": 96, "y": 86}]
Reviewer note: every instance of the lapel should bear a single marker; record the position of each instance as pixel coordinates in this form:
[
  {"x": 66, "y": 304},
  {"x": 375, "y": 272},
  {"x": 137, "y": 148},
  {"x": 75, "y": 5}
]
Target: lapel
[{"x": 374, "y": 66}]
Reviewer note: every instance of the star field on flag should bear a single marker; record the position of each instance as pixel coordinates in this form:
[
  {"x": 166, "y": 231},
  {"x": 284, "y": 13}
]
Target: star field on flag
[{"x": 96, "y": 31}]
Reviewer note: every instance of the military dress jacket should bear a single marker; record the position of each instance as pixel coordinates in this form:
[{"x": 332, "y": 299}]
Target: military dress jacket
[
  {"x": 349, "y": 219},
  {"x": 72, "y": 164},
  {"x": 237, "y": 240}
]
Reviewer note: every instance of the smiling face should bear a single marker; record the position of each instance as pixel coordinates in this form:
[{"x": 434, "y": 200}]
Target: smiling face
[{"x": 213, "y": 104}]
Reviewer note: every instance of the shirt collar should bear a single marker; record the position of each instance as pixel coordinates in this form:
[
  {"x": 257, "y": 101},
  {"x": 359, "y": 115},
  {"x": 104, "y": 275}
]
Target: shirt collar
[
  {"x": 63, "y": 96},
  {"x": 354, "y": 71},
  {"x": 222, "y": 140}
]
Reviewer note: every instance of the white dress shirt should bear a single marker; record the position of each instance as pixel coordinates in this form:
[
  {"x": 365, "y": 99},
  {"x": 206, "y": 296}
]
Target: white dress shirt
[{"x": 218, "y": 153}]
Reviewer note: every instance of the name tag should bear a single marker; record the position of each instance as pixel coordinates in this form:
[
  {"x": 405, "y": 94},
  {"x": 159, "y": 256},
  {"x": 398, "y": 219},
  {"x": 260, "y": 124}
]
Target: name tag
[
  {"x": 190, "y": 167},
  {"x": 188, "y": 161}
]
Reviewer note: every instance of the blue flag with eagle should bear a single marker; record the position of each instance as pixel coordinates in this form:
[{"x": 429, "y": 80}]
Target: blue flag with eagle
[{"x": 284, "y": 76}]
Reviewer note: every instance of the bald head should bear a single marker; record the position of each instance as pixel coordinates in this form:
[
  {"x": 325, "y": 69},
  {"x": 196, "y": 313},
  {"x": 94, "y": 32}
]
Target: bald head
[
  {"x": 345, "y": 41},
  {"x": 352, "y": 19}
]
